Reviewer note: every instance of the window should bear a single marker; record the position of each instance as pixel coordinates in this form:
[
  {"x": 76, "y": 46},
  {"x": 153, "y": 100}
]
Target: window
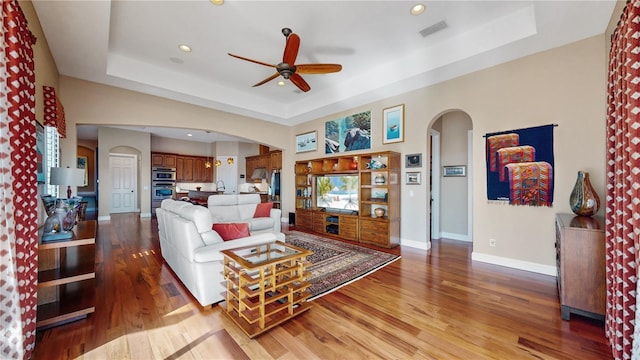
[{"x": 52, "y": 156}]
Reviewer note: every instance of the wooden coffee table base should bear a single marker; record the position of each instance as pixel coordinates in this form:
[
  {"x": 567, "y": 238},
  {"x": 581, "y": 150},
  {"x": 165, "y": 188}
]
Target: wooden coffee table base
[
  {"x": 266, "y": 285},
  {"x": 254, "y": 330}
]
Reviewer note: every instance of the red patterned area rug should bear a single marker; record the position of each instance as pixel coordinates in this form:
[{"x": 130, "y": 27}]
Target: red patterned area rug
[{"x": 335, "y": 264}]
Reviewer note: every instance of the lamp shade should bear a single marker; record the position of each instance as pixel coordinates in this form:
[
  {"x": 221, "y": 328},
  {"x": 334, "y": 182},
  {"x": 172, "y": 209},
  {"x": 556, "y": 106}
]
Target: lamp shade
[{"x": 66, "y": 176}]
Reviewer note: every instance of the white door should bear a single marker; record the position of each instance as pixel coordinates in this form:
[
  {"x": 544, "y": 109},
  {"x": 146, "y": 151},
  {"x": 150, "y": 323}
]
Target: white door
[{"x": 123, "y": 170}]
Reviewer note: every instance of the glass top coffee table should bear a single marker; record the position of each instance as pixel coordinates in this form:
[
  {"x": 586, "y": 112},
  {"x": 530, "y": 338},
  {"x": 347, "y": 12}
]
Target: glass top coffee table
[{"x": 266, "y": 285}]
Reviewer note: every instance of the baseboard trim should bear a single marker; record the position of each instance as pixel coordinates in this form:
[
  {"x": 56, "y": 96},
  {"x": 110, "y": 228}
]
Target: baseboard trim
[
  {"x": 416, "y": 244},
  {"x": 104, "y": 218},
  {"x": 145, "y": 215},
  {"x": 452, "y": 236},
  {"x": 515, "y": 264}
]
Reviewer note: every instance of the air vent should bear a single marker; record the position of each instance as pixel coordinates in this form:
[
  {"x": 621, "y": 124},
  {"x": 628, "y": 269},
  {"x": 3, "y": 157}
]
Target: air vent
[{"x": 433, "y": 28}]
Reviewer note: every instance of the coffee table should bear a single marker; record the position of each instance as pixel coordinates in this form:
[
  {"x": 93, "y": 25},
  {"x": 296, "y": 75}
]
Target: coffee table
[{"x": 266, "y": 285}]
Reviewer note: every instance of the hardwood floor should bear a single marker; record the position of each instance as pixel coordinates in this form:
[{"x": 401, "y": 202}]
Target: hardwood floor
[{"x": 435, "y": 304}]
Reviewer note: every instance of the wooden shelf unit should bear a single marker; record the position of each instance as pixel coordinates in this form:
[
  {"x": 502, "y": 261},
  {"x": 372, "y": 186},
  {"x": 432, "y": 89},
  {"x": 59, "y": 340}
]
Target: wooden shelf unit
[
  {"x": 373, "y": 193},
  {"x": 66, "y": 277},
  {"x": 580, "y": 257}
]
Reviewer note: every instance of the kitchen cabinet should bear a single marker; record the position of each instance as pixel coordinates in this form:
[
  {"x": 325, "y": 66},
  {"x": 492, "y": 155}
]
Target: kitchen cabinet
[
  {"x": 163, "y": 160},
  {"x": 270, "y": 161}
]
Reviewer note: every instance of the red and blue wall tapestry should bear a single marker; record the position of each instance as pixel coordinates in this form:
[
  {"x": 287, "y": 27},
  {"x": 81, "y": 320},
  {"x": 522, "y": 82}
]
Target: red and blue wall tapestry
[{"x": 520, "y": 166}]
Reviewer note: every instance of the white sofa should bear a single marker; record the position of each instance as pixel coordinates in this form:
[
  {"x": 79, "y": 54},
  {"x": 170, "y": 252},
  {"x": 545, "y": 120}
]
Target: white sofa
[
  {"x": 192, "y": 249},
  {"x": 241, "y": 208}
]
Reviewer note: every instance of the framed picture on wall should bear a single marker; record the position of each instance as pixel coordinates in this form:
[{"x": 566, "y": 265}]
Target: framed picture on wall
[
  {"x": 459, "y": 170},
  {"x": 82, "y": 164},
  {"x": 413, "y": 160},
  {"x": 413, "y": 178},
  {"x": 393, "y": 124},
  {"x": 307, "y": 142}
]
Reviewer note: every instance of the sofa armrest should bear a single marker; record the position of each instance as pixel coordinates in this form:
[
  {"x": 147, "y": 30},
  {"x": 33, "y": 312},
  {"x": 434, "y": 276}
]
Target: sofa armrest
[
  {"x": 212, "y": 252},
  {"x": 275, "y": 214}
]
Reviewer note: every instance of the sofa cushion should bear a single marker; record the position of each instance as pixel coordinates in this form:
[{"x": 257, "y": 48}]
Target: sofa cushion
[
  {"x": 261, "y": 223},
  {"x": 200, "y": 216},
  {"x": 263, "y": 210},
  {"x": 232, "y": 231},
  {"x": 211, "y": 238}
]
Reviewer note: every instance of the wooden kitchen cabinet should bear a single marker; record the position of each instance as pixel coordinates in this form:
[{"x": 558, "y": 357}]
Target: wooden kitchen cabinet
[
  {"x": 163, "y": 160},
  {"x": 580, "y": 257}
]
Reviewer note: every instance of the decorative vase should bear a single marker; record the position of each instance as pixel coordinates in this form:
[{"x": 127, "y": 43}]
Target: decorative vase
[
  {"x": 584, "y": 200},
  {"x": 379, "y": 212},
  {"x": 354, "y": 163}
]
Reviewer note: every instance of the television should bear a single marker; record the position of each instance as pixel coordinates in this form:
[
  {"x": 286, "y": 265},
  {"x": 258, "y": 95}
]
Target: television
[{"x": 338, "y": 193}]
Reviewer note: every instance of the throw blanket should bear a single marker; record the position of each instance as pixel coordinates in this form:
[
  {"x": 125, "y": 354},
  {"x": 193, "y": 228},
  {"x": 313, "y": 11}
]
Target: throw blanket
[
  {"x": 530, "y": 183},
  {"x": 514, "y": 154}
]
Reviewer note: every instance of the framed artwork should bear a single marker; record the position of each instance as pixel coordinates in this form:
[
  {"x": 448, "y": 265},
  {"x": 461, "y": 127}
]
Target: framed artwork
[
  {"x": 82, "y": 164},
  {"x": 413, "y": 178},
  {"x": 393, "y": 124},
  {"x": 307, "y": 142},
  {"x": 349, "y": 133},
  {"x": 40, "y": 146},
  {"x": 413, "y": 160},
  {"x": 460, "y": 170}
]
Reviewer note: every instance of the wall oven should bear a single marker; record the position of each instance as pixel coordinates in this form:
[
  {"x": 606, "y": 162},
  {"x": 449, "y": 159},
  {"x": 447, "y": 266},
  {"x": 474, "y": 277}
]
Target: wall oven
[
  {"x": 163, "y": 190},
  {"x": 163, "y": 174}
]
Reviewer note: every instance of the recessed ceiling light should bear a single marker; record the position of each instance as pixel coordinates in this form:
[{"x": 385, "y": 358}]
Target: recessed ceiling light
[
  {"x": 417, "y": 9},
  {"x": 280, "y": 83},
  {"x": 189, "y": 134},
  {"x": 217, "y": 2},
  {"x": 185, "y": 48}
]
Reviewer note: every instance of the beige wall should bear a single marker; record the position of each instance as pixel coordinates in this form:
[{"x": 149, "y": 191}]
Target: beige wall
[
  {"x": 124, "y": 142},
  {"x": 565, "y": 86}
]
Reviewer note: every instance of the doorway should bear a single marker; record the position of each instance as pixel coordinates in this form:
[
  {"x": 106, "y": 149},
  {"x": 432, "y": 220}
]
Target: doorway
[
  {"x": 123, "y": 171},
  {"x": 450, "y": 199}
]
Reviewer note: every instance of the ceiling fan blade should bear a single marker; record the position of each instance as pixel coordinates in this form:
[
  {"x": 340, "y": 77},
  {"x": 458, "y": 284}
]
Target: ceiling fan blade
[
  {"x": 298, "y": 81},
  {"x": 318, "y": 68},
  {"x": 267, "y": 79},
  {"x": 251, "y": 60},
  {"x": 291, "y": 49}
]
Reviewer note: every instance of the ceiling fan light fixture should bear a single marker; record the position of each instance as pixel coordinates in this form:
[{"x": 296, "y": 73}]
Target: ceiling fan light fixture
[
  {"x": 281, "y": 83},
  {"x": 417, "y": 9},
  {"x": 184, "y": 48}
]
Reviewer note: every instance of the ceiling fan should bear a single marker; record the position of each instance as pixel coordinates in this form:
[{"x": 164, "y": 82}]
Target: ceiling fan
[{"x": 288, "y": 69}]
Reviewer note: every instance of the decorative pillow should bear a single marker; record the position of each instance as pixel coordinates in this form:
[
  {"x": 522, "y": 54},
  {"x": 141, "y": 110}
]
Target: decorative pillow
[
  {"x": 231, "y": 231},
  {"x": 263, "y": 210}
]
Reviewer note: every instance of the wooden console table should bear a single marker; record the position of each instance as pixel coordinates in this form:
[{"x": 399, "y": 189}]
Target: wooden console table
[
  {"x": 266, "y": 285},
  {"x": 66, "y": 276}
]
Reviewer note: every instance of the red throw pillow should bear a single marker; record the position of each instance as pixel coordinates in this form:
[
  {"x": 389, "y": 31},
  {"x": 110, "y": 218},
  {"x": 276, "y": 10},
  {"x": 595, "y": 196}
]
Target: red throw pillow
[
  {"x": 231, "y": 231},
  {"x": 263, "y": 210}
]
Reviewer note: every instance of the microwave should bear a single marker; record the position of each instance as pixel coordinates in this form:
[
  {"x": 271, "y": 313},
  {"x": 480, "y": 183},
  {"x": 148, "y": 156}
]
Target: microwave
[{"x": 163, "y": 174}]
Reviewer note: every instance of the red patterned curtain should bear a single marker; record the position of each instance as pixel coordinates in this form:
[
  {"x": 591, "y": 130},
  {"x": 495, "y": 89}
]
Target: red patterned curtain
[
  {"x": 53, "y": 111},
  {"x": 18, "y": 189},
  {"x": 623, "y": 184}
]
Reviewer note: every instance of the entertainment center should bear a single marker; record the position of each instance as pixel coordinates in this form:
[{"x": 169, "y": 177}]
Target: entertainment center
[{"x": 353, "y": 197}]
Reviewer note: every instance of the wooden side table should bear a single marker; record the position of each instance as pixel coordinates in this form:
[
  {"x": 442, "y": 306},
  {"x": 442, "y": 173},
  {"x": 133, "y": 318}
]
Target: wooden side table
[
  {"x": 580, "y": 257},
  {"x": 266, "y": 285},
  {"x": 66, "y": 277}
]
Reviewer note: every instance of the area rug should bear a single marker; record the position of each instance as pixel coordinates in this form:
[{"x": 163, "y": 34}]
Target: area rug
[{"x": 335, "y": 263}]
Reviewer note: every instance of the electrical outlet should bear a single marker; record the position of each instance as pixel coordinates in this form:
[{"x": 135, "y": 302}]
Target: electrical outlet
[{"x": 492, "y": 242}]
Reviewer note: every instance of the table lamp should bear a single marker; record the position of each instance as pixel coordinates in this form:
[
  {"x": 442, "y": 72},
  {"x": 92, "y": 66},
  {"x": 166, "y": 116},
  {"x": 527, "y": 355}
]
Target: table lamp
[{"x": 66, "y": 176}]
